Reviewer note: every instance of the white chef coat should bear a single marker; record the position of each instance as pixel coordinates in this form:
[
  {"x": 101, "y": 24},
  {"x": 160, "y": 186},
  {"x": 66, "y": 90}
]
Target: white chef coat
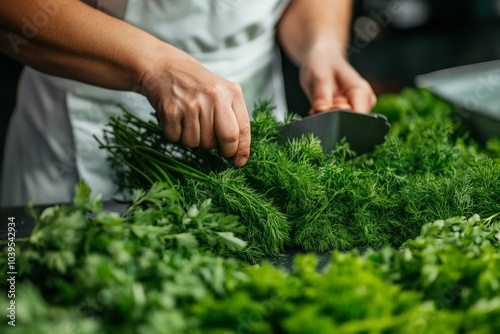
[{"x": 49, "y": 142}]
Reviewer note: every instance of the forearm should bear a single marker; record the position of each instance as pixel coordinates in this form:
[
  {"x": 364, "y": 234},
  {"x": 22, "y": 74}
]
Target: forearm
[
  {"x": 194, "y": 106},
  {"x": 310, "y": 24},
  {"x": 315, "y": 35},
  {"x": 70, "y": 39}
]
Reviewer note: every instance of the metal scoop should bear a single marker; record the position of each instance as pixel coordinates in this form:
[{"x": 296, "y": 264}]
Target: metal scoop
[{"x": 362, "y": 131}]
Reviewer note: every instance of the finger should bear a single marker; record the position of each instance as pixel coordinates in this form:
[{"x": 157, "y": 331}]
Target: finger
[
  {"x": 171, "y": 123},
  {"x": 323, "y": 90},
  {"x": 191, "y": 128},
  {"x": 241, "y": 114},
  {"x": 341, "y": 102},
  {"x": 226, "y": 128},
  {"x": 360, "y": 98},
  {"x": 358, "y": 91},
  {"x": 208, "y": 139}
]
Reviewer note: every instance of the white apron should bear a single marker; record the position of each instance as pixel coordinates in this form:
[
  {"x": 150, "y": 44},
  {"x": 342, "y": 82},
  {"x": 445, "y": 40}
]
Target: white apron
[{"x": 49, "y": 143}]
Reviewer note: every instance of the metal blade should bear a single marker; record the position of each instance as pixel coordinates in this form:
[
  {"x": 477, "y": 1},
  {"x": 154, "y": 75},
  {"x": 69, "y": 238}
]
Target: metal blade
[{"x": 362, "y": 131}]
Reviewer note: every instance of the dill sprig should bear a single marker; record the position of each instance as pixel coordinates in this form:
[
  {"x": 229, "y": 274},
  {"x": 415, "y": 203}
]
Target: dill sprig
[
  {"x": 141, "y": 157},
  {"x": 295, "y": 195}
]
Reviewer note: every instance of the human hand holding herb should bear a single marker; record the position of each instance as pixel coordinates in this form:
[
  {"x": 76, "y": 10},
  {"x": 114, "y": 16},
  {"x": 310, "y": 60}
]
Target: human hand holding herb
[{"x": 196, "y": 107}]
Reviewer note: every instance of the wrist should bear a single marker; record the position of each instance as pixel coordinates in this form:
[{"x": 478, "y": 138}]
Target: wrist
[
  {"x": 327, "y": 43},
  {"x": 324, "y": 46},
  {"x": 160, "y": 65},
  {"x": 147, "y": 65},
  {"x": 310, "y": 25}
]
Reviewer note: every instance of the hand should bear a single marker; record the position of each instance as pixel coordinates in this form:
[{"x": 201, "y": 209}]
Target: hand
[
  {"x": 198, "y": 108},
  {"x": 330, "y": 82}
]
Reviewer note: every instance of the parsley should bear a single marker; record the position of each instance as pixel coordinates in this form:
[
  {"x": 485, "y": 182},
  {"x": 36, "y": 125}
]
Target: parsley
[{"x": 172, "y": 262}]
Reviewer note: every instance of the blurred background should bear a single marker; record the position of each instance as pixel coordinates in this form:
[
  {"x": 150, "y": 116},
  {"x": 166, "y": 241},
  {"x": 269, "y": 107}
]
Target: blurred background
[{"x": 392, "y": 41}]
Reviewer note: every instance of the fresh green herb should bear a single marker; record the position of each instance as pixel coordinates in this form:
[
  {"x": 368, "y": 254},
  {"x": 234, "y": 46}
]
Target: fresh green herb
[
  {"x": 168, "y": 264},
  {"x": 126, "y": 280},
  {"x": 123, "y": 269},
  {"x": 142, "y": 157},
  {"x": 295, "y": 195}
]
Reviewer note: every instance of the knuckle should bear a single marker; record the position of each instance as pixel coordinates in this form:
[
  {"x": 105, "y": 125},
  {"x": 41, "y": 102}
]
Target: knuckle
[
  {"x": 172, "y": 115},
  {"x": 191, "y": 109},
  {"x": 212, "y": 91},
  {"x": 230, "y": 137},
  {"x": 235, "y": 88},
  {"x": 245, "y": 130}
]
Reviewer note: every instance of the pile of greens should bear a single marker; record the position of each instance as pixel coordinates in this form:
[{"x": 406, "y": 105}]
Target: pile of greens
[
  {"x": 158, "y": 269},
  {"x": 447, "y": 280},
  {"x": 179, "y": 259},
  {"x": 107, "y": 272},
  {"x": 296, "y": 196}
]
